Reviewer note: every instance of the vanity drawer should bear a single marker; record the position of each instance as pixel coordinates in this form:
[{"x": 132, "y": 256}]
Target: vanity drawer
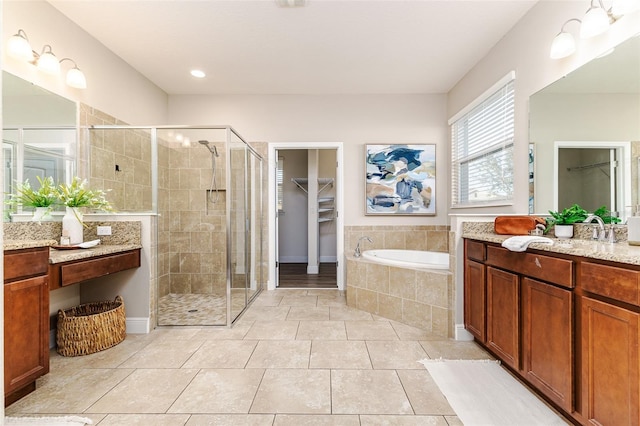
[
  {"x": 475, "y": 250},
  {"x": 551, "y": 269},
  {"x": 76, "y": 272},
  {"x": 609, "y": 281},
  {"x": 25, "y": 263}
]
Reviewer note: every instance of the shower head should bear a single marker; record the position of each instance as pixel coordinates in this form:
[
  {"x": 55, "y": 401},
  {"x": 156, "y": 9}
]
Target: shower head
[{"x": 212, "y": 149}]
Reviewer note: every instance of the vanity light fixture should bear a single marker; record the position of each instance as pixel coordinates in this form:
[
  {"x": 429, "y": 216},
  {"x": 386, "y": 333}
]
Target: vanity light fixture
[
  {"x": 596, "y": 21},
  {"x": 563, "y": 44},
  {"x": 18, "y": 47},
  {"x": 198, "y": 73}
]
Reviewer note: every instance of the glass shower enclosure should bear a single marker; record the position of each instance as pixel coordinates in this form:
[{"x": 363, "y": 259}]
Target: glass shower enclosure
[{"x": 205, "y": 184}]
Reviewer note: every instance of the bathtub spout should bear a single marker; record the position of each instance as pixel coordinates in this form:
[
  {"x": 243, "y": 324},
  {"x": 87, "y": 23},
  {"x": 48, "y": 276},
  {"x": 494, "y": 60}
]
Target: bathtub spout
[{"x": 357, "y": 252}]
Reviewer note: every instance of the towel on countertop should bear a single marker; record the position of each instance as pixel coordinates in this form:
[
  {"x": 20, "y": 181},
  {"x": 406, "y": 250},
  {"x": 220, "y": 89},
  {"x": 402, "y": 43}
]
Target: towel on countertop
[{"x": 520, "y": 243}]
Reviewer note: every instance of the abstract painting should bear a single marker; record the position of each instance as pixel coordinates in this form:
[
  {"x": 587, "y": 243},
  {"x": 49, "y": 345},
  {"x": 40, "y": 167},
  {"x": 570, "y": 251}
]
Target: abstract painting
[{"x": 400, "y": 179}]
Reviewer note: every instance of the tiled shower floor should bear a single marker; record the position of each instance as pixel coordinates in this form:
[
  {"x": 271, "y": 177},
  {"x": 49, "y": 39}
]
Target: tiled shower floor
[{"x": 197, "y": 309}]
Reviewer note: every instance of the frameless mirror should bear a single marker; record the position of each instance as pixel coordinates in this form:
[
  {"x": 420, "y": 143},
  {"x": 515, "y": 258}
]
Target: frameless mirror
[
  {"x": 585, "y": 132},
  {"x": 39, "y": 133}
]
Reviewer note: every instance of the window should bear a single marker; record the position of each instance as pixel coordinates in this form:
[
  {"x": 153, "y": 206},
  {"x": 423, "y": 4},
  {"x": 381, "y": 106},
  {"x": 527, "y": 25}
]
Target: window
[{"x": 482, "y": 148}]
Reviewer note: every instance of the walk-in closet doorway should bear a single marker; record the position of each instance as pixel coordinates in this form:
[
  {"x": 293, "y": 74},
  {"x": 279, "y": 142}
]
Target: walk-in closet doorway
[{"x": 305, "y": 220}]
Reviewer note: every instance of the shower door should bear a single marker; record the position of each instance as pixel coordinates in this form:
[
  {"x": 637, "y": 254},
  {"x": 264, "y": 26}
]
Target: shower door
[{"x": 245, "y": 215}]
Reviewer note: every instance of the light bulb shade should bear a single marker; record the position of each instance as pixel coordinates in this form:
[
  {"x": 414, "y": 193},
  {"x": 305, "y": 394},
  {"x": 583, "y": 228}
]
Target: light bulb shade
[
  {"x": 18, "y": 47},
  {"x": 595, "y": 22},
  {"x": 76, "y": 78},
  {"x": 622, "y": 7},
  {"x": 48, "y": 63},
  {"x": 562, "y": 46}
]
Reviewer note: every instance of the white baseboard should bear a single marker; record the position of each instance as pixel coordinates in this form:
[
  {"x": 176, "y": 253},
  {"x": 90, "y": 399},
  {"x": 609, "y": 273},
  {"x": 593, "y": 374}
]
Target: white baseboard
[
  {"x": 462, "y": 334},
  {"x": 137, "y": 325}
]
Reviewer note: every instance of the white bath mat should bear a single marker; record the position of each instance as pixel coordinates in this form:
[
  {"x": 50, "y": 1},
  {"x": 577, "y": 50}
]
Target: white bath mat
[
  {"x": 47, "y": 421},
  {"x": 483, "y": 394}
]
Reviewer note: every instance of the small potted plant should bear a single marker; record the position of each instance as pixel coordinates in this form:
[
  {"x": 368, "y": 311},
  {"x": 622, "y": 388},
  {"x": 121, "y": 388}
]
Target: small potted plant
[
  {"x": 562, "y": 221},
  {"x": 42, "y": 200},
  {"x": 606, "y": 216},
  {"x": 77, "y": 195}
]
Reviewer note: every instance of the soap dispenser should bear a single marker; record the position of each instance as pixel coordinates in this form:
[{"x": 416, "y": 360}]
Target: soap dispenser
[{"x": 633, "y": 228}]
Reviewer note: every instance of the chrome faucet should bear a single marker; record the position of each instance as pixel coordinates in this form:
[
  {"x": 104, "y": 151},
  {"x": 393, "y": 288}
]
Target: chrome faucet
[
  {"x": 599, "y": 233},
  {"x": 357, "y": 252}
]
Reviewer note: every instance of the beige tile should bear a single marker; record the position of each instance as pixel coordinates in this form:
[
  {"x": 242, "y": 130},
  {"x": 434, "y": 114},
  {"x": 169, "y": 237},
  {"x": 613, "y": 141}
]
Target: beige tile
[
  {"x": 367, "y": 300},
  {"x": 396, "y": 354},
  {"x": 267, "y": 300},
  {"x": 339, "y": 355},
  {"x": 424, "y": 393},
  {"x": 294, "y": 392},
  {"x": 378, "y": 278},
  {"x": 370, "y": 330},
  {"x": 163, "y": 354},
  {"x": 222, "y": 354},
  {"x": 281, "y": 354},
  {"x": 407, "y": 332},
  {"x": 306, "y": 313},
  {"x": 390, "y": 307},
  {"x": 145, "y": 391},
  {"x": 299, "y": 300},
  {"x": 144, "y": 419},
  {"x": 316, "y": 420},
  {"x": 368, "y": 392},
  {"x": 451, "y": 349},
  {"x": 266, "y": 313},
  {"x": 219, "y": 391},
  {"x": 321, "y": 330},
  {"x": 416, "y": 314},
  {"x": 273, "y": 330},
  {"x": 348, "y": 313},
  {"x": 337, "y": 300},
  {"x": 453, "y": 421},
  {"x": 77, "y": 396},
  {"x": 231, "y": 420},
  {"x": 369, "y": 420},
  {"x": 238, "y": 331}
]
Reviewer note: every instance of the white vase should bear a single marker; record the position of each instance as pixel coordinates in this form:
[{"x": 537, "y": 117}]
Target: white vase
[
  {"x": 72, "y": 225},
  {"x": 563, "y": 231},
  {"x": 40, "y": 214}
]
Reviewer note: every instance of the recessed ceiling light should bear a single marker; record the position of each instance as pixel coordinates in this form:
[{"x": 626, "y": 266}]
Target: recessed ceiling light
[{"x": 198, "y": 73}]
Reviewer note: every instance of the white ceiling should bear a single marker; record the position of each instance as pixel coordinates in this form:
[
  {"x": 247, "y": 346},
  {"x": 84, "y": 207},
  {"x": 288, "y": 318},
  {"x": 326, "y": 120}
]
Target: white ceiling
[{"x": 326, "y": 47}]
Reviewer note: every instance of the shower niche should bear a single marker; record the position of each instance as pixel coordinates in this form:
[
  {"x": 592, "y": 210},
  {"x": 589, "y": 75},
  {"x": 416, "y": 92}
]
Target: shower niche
[{"x": 206, "y": 186}]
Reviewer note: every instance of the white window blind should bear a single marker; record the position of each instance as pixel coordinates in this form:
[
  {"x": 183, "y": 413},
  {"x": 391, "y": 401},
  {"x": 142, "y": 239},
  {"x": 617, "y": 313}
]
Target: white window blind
[{"x": 482, "y": 148}]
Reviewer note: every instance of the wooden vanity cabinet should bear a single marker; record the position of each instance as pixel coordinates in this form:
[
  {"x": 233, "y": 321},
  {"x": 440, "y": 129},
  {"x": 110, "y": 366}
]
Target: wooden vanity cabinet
[
  {"x": 26, "y": 320},
  {"x": 475, "y": 290},
  {"x": 610, "y": 322},
  {"x": 503, "y": 315},
  {"x": 547, "y": 340},
  {"x": 529, "y": 313}
]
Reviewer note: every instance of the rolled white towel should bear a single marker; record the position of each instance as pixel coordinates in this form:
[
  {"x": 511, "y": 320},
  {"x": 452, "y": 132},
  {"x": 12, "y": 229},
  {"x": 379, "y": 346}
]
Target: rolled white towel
[{"x": 521, "y": 242}]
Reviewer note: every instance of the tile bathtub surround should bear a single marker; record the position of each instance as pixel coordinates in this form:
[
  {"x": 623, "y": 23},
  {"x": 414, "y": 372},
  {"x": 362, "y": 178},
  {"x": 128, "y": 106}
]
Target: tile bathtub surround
[
  {"x": 418, "y": 298},
  {"x": 276, "y": 366},
  {"x": 428, "y": 237}
]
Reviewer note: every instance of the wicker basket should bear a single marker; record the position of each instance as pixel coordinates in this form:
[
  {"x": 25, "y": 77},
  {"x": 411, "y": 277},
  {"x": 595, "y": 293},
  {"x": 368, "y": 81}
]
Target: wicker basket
[{"x": 91, "y": 327}]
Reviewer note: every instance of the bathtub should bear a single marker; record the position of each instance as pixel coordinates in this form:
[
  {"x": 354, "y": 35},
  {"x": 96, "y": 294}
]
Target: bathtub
[{"x": 408, "y": 258}]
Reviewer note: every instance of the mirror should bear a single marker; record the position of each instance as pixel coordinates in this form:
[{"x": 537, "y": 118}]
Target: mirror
[
  {"x": 39, "y": 134},
  {"x": 585, "y": 130}
]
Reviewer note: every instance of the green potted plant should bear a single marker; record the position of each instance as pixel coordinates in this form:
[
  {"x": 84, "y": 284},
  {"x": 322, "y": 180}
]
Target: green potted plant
[
  {"x": 74, "y": 196},
  {"x": 604, "y": 214},
  {"x": 562, "y": 221},
  {"x": 41, "y": 200}
]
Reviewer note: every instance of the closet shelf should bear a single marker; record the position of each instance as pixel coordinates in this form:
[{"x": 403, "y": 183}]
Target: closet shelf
[{"x": 323, "y": 183}]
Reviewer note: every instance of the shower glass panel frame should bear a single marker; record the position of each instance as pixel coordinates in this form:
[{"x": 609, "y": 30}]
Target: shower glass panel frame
[{"x": 209, "y": 231}]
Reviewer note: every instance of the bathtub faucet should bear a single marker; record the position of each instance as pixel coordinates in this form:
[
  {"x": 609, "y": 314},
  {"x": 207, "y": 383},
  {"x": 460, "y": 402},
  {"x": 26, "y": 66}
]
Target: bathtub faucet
[{"x": 358, "y": 253}]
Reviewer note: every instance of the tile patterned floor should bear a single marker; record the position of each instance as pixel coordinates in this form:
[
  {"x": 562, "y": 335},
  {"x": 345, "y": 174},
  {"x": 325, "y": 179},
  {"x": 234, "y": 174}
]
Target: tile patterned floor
[{"x": 296, "y": 357}]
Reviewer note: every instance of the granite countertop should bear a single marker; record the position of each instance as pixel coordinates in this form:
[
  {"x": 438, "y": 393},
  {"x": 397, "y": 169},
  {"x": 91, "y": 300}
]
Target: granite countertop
[
  {"x": 25, "y": 244},
  {"x": 620, "y": 252},
  {"x": 60, "y": 256}
]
